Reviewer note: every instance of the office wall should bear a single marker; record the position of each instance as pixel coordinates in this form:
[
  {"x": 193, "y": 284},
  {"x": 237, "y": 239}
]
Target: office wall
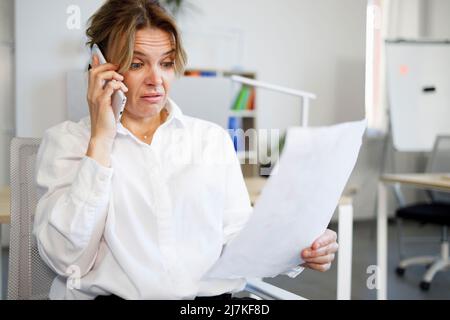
[
  {"x": 438, "y": 19},
  {"x": 406, "y": 18},
  {"x": 317, "y": 46},
  {"x": 419, "y": 19},
  {"x": 46, "y": 50}
]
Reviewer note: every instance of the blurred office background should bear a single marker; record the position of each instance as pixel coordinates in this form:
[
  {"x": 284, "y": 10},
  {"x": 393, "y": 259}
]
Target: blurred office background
[{"x": 313, "y": 45}]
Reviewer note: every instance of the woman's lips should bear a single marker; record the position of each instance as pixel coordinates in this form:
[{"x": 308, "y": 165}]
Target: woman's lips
[{"x": 152, "y": 99}]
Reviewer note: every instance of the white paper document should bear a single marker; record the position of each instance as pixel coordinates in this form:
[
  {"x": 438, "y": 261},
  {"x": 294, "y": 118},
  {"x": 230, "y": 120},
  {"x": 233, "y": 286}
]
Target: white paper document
[{"x": 296, "y": 204}]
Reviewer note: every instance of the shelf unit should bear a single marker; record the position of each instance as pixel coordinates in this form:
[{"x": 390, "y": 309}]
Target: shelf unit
[{"x": 249, "y": 156}]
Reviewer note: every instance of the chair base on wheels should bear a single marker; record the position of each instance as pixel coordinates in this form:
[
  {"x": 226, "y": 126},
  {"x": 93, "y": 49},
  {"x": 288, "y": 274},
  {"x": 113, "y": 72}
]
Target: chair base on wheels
[{"x": 435, "y": 264}]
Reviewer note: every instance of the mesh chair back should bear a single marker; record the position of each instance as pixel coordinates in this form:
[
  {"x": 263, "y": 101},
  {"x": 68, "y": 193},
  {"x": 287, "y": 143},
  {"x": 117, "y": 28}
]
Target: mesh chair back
[
  {"x": 29, "y": 277},
  {"x": 440, "y": 163}
]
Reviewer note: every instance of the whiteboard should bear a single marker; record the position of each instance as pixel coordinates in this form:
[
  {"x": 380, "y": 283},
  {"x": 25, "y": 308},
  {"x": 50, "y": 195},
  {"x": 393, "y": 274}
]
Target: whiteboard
[{"x": 418, "y": 83}]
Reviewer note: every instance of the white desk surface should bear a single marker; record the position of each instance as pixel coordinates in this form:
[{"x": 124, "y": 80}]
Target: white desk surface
[{"x": 422, "y": 180}]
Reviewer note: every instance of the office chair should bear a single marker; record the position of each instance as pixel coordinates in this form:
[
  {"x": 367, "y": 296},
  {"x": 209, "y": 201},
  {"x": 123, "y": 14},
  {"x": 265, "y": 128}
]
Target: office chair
[
  {"x": 29, "y": 278},
  {"x": 436, "y": 211}
]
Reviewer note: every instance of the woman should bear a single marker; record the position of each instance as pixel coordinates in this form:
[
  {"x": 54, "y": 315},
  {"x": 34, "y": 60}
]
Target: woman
[{"x": 141, "y": 208}]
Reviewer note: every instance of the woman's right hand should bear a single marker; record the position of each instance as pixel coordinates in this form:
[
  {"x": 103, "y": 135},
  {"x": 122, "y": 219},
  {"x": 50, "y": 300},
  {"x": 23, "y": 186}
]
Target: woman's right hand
[{"x": 103, "y": 123}]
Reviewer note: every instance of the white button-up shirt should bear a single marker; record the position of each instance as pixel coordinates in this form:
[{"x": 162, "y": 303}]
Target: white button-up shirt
[
  {"x": 151, "y": 225},
  {"x": 148, "y": 227}
]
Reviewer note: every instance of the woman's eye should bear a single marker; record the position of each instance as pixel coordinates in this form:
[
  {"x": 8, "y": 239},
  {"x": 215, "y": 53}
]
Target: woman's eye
[
  {"x": 136, "y": 65},
  {"x": 168, "y": 64}
]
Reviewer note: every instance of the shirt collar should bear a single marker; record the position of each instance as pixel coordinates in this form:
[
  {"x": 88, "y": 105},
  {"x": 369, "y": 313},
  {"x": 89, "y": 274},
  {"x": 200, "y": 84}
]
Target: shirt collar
[{"x": 175, "y": 115}]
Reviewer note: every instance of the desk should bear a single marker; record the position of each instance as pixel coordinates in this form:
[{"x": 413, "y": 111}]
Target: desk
[
  {"x": 5, "y": 218},
  {"x": 345, "y": 233},
  {"x": 437, "y": 182}
]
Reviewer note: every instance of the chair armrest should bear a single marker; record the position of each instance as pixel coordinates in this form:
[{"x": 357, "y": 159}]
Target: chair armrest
[{"x": 269, "y": 292}]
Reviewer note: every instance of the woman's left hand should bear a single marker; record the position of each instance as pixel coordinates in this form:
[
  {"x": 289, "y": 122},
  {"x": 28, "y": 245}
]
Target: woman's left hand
[{"x": 320, "y": 255}]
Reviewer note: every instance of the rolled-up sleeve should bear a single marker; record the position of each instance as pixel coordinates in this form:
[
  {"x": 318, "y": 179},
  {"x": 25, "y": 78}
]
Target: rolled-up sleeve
[{"x": 70, "y": 215}]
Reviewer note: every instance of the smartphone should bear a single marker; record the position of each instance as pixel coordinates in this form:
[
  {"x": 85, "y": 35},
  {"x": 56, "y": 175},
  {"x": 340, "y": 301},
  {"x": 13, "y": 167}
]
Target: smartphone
[{"x": 118, "y": 99}]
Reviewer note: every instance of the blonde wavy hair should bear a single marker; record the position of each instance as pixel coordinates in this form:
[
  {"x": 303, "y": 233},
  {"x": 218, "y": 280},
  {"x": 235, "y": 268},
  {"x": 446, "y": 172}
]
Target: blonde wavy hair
[{"x": 113, "y": 28}]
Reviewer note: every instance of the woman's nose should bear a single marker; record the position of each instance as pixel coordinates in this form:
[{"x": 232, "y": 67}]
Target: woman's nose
[{"x": 153, "y": 77}]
